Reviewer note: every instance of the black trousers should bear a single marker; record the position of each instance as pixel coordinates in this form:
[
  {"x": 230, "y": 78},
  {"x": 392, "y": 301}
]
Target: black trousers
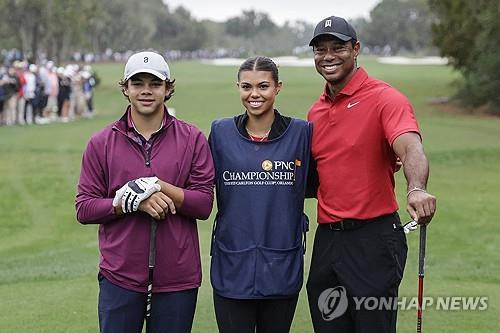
[
  {"x": 254, "y": 315},
  {"x": 349, "y": 266}
]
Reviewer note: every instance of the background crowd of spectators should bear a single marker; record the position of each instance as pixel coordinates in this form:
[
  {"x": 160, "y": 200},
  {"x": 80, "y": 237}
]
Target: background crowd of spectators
[{"x": 44, "y": 93}]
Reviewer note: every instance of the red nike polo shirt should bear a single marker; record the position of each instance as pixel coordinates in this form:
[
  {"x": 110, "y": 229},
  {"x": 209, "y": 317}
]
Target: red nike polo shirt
[{"x": 352, "y": 144}]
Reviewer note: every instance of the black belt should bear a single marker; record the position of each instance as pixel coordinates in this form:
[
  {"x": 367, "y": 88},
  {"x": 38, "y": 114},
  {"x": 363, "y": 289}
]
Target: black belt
[{"x": 351, "y": 224}]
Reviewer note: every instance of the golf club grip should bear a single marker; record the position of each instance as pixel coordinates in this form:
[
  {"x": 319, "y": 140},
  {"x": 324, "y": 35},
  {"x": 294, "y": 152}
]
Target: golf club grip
[
  {"x": 152, "y": 243},
  {"x": 419, "y": 325},
  {"x": 421, "y": 251}
]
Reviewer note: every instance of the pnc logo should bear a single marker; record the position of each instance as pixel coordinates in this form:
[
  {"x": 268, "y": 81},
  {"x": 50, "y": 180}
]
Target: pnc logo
[{"x": 267, "y": 165}]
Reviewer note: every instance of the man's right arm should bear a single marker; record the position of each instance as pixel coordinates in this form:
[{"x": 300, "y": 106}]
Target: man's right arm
[
  {"x": 421, "y": 205},
  {"x": 312, "y": 180},
  {"x": 92, "y": 204}
]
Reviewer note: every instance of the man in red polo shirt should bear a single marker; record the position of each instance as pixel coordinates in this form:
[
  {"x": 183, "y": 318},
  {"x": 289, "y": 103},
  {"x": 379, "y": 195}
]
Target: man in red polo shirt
[{"x": 360, "y": 127}]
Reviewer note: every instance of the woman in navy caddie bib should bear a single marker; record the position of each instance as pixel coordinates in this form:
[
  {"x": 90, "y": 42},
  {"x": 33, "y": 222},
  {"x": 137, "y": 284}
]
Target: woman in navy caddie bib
[{"x": 261, "y": 161}]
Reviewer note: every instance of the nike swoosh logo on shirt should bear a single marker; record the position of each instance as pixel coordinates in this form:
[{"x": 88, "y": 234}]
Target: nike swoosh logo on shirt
[{"x": 351, "y": 105}]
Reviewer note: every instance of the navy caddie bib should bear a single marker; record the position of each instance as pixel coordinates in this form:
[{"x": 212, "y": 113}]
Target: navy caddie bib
[{"x": 259, "y": 231}]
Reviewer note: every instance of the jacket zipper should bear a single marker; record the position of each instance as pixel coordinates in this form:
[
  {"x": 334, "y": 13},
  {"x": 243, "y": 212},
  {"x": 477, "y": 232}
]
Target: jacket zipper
[{"x": 145, "y": 153}]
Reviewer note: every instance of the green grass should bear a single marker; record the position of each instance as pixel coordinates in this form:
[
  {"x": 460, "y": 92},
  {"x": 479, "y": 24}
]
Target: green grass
[{"x": 48, "y": 262}]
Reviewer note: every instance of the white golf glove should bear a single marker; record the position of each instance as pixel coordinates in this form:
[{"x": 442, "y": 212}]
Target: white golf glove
[
  {"x": 117, "y": 200},
  {"x": 134, "y": 192},
  {"x": 410, "y": 226}
]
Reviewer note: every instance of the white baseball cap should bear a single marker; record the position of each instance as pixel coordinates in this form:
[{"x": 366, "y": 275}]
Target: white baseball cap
[{"x": 147, "y": 62}]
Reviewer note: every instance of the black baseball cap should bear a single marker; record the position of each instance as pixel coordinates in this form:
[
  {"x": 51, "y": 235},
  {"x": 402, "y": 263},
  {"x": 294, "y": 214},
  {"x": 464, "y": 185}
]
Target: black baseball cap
[{"x": 334, "y": 26}]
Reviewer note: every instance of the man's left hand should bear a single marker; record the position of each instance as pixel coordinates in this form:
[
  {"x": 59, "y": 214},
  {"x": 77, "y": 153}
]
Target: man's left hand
[
  {"x": 137, "y": 191},
  {"x": 421, "y": 206}
]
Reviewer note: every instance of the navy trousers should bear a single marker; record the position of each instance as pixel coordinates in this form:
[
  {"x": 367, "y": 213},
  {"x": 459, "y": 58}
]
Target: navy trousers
[{"x": 123, "y": 311}]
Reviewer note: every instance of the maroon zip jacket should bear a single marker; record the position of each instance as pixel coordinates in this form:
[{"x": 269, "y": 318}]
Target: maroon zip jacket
[{"x": 180, "y": 155}]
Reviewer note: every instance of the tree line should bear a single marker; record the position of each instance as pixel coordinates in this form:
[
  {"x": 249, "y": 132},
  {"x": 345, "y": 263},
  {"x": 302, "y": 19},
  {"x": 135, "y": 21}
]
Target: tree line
[
  {"x": 57, "y": 28},
  {"x": 467, "y": 32}
]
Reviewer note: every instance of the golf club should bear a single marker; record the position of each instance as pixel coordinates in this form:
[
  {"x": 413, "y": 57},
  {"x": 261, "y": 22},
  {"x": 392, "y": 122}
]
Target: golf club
[
  {"x": 421, "y": 266},
  {"x": 151, "y": 265}
]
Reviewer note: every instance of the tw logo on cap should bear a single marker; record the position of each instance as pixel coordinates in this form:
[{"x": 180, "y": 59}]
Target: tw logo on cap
[{"x": 328, "y": 23}]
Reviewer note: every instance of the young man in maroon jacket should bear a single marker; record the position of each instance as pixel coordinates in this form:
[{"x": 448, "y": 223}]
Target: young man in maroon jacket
[
  {"x": 147, "y": 165},
  {"x": 361, "y": 125}
]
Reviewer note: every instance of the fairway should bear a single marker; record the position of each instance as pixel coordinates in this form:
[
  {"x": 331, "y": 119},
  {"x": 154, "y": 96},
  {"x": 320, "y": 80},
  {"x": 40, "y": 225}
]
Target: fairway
[{"x": 48, "y": 261}]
